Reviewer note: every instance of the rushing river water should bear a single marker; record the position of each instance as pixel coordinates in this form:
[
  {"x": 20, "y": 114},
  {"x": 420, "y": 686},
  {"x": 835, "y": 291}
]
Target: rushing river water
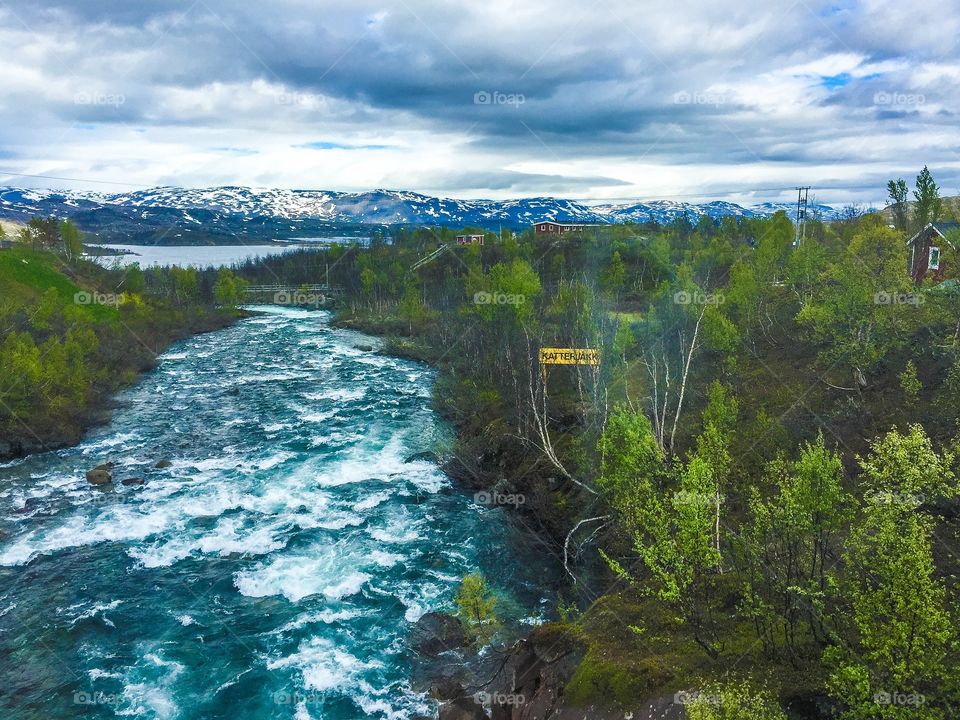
[{"x": 274, "y": 569}]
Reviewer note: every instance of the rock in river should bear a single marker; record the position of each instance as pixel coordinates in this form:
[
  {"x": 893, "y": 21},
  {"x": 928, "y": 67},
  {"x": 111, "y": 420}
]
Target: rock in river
[{"x": 100, "y": 475}]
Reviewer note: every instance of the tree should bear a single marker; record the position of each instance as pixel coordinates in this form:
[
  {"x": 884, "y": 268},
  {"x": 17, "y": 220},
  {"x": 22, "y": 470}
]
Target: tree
[
  {"x": 713, "y": 446},
  {"x": 631, "y": 468},
  {"x": 185, "y": 285},
  {"x": 910, "y": 383},
  {"x": 895, "y": 665},
  {"x": 906, "y": 468},
  {"x": 855, "y": 313},
  {"x": 787, "y": 546},
  {"x": 45, "y": 231},
  {"x": 614, "y": 275},
  {"x": 901, "y": 626},
  {"x": 929, "y": 204},
  {"x": 72, "y": 240},
  {"x": 682, "y": 321},
  {"x": 476, "y": 607},
  {"x": 411, "y": 309},
  {"x": 675, "y": 533},
  {"x": 229, "y": 290},
  {"x": 897, "y": 190}
]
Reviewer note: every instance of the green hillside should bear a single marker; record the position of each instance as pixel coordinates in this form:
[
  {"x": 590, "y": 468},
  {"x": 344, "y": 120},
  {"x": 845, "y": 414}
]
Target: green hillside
[{"x": 72, "y": 333}]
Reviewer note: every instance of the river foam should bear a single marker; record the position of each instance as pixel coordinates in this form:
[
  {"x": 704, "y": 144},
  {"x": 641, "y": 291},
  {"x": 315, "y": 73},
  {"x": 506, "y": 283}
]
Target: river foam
[{"x": 273, "y": 568}]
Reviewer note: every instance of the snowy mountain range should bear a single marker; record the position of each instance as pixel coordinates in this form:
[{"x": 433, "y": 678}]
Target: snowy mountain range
[{"x": 171, "y": 215}]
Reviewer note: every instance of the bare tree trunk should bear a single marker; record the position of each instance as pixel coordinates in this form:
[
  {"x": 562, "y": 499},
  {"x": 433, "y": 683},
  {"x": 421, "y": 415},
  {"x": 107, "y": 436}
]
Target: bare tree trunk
[{"x": 686, "y": 371}]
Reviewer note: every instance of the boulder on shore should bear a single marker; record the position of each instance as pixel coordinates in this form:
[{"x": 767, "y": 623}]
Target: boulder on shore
[
  {"x": 100, "y": 475},
  {"x": 435, "y": 633}
]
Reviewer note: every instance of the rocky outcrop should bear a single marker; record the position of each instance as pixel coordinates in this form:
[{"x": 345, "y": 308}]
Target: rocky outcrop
[
  {"x": 435, "y": 633},
  {"x": 100, "y": 475},
  {"x": 531, "y": 684}
]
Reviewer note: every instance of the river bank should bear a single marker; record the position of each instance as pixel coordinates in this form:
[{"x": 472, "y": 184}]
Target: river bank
[
  {"x": 524, "y": 676},
  {"x": 99, "y": 407},
  {"x": 75, "y": 333}
]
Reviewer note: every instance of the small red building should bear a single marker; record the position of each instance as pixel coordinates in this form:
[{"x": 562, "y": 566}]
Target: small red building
[
  {"x": 469, "y": 239},
  {"x": 930, "y": 248},
  {"x": 552, "y": 227}
]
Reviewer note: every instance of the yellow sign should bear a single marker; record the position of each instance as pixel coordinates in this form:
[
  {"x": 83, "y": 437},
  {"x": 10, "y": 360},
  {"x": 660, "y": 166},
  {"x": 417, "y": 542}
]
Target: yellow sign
[{"x": 569, "y": 356}]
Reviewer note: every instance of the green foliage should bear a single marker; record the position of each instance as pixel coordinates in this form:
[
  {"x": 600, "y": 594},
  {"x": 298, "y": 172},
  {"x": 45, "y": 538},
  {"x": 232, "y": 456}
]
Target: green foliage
[
  {"x": 614, "y": 275},
  {"x": 733, "y": 699},
  {"x": 910, "y": 383},
  {"x": 907, "y": 465},
  {"x": 229, "y": 290},
  {"x": 45, "y": 231},
  {"x": 72, "y": 239},
  {"x": 67, "y": 346},
  {"x": 476, "y": 607},
  {"x": 855, "y": 315},
  {"x": 902, "y": 627},
  {"x": 788, "y": 546},
  {"x": 897, "y": 193},
  {"x": 929, "y": 205},
  {"x": 631, "y": 467}
]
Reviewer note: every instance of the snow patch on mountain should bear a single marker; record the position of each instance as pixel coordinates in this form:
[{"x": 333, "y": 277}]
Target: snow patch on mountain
[{"x": 285, "y": 213}]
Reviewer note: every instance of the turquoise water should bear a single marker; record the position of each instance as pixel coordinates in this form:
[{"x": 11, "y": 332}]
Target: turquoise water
[{"x": 274, "y": 569}]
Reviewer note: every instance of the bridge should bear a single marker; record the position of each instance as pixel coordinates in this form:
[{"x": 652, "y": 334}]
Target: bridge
[{"x": 299, "y": 295}]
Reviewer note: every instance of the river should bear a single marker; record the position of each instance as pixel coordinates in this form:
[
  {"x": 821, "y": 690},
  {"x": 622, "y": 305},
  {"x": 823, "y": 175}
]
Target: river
[{"x": 273, "y": 570}]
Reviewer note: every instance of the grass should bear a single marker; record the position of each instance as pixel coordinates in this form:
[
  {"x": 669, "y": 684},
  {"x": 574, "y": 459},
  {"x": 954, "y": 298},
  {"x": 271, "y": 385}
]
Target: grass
[{"x": 26, "y": 275}]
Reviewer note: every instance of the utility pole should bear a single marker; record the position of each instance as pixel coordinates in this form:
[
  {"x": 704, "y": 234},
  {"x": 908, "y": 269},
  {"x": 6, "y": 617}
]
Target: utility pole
[{"x": 803, "y": 193}]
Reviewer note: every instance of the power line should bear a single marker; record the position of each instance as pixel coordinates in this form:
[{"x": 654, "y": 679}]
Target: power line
[{"x": 13, "y": 173}]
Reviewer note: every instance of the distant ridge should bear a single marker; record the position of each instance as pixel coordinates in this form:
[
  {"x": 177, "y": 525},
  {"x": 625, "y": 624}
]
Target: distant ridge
[{"x": 214, "y": 215}]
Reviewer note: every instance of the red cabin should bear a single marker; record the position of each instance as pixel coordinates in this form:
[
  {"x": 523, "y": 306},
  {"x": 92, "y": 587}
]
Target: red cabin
[{"x": 928, "y": 249}]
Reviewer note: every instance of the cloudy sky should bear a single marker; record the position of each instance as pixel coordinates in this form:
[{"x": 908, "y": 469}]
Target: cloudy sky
[{"x": 602, "y": 99}]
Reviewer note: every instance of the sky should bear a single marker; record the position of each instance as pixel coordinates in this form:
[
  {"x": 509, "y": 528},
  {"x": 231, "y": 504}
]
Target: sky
[{"x": 603, "y": 100}]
